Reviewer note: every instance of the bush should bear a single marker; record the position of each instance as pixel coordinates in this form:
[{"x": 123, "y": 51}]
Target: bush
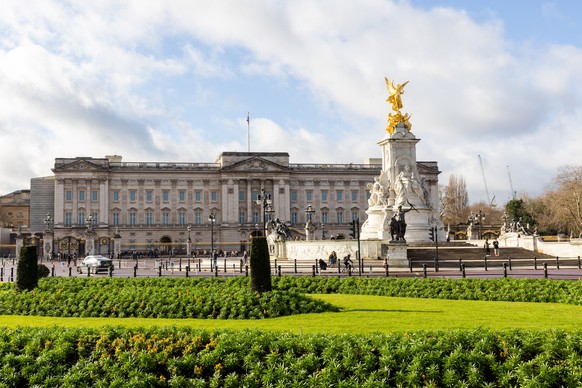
[
  {"x": 260, "y": 265},
  {"x": 43, "y": 271},
  {"x": 27, "y": 269}
]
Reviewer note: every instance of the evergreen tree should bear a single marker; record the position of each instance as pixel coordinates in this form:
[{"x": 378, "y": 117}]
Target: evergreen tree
[
  {"x": 27, "y": 269},
  {"x": 260, "y": 265}
]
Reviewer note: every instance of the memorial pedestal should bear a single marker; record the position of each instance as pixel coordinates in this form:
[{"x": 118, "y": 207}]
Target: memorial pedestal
[{"x": 398, "y": 254}]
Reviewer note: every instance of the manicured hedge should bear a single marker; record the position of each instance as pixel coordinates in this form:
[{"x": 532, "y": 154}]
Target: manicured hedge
[
  {"x": 156, "y": 297},
  {"x": 504, "y": 289},
  {"x": 177, "y": 357}
]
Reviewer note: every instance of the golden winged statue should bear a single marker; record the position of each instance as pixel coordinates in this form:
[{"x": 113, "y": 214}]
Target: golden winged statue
[
  {"x": 395, "y": 92},
  {"x": 394, "y": 98}
]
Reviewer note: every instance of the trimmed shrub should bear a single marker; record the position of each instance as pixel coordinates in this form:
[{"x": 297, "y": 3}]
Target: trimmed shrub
[
  {"x": 260, "y": 265},
  {"x": 43, "y": 271},
  {"x": 27, "y": 269}
]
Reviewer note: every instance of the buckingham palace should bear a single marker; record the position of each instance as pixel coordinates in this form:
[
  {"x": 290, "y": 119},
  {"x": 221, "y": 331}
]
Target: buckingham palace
[{"x": 171, "y": 206}]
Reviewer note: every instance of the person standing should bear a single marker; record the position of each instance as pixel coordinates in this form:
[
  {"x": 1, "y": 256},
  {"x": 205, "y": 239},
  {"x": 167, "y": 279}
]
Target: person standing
[
  {"x": 496, "y": 247},
  {"x": 487, "y": 247}
]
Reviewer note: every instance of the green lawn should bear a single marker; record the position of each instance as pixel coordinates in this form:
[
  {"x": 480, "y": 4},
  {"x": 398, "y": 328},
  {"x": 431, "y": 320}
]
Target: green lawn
[{"x": 362, "y": 314}]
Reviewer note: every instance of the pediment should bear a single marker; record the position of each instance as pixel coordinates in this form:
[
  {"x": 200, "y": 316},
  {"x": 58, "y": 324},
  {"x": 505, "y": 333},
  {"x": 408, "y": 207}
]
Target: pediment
[
  {"x": 80, "y": 165},
  {"x": 255, "y": 164}
]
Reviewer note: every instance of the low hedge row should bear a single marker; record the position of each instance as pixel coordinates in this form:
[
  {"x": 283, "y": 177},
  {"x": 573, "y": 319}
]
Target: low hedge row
[
  {"x": 177, "y": 357},
  {"x": 155, "y": 298},
  {"x": 504, "y": 289}
]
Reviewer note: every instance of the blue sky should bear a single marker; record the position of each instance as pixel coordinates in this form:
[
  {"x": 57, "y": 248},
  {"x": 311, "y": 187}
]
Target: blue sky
[{"x": 173, "y": 81}]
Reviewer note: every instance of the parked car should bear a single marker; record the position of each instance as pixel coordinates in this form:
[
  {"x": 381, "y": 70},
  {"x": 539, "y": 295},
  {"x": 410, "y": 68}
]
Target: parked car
[{"x": 95, "y": 263}]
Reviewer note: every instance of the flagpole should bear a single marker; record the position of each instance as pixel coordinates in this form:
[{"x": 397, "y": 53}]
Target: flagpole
[{"x": 249, "y": 131}]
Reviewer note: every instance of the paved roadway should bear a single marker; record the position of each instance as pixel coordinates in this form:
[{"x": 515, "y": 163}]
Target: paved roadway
[{"x": 232, "y": 267}]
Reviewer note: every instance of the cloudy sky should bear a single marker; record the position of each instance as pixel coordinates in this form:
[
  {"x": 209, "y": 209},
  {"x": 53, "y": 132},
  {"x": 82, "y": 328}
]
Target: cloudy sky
[{"x": 174, "y": 80}]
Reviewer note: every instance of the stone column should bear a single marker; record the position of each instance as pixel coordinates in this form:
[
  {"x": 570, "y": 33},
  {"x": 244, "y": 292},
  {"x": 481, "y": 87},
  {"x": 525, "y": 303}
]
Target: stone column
[{"x": 48, "y": 245}]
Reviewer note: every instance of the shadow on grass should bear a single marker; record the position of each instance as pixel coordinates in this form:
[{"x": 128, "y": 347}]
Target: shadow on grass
[{"x": 394, "y": 311}]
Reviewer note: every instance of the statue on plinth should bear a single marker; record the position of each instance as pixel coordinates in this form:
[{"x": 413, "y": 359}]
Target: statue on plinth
[
  {"x": 398, "y": 224},
  {"x": 394, "y": 98},
  {"x": 408, "y": 188}
]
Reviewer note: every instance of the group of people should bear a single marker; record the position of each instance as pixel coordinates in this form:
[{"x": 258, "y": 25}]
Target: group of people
[
  {"x": 332, "y": 260},
  {"x": 487, "y": 247}
]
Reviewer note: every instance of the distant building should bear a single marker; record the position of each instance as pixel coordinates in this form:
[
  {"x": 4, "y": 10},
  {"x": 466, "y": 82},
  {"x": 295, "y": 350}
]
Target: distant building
[
  {"x": 151, "y": 204},
  {"x": 14, "y": 209}
]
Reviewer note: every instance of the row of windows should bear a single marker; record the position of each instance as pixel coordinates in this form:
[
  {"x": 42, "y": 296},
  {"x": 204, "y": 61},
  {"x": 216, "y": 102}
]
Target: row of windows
[
  {"x": 198, "y": 219},
  {"x": 149, "y": 195}
]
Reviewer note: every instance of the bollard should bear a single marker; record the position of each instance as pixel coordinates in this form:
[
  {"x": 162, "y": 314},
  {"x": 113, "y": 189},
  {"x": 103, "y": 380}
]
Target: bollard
[
  {"x": 224, "y": 265},
  {"x": 424, "y": 271},
  {"x": 241, "y": 265},
  {"x": 70, "y": 271},
  {"x": 180, "y": 265},
  {"x": 339, "y": 267},
  {"x": 279, "y": 271},
  {"x": 545, "y": 270},
  {"x": 535, "y": 263},
  {"x": 295, "y": 265},
  {"x": 313, "y": 270},
  {"x": 386, "y": 269},
  {"x": 135, "y": 271},
  {"x": 316, "y": 266},
  {"x": 188, "y": 270},
  {"x": 349, "y": 270},
  {"x": 557, "y": 262},
  {"x": 246, "y": 270},
  {"x": 88, "y": 271},
  {"x": 2, "y": 274},
  {"x": 509, "y": 258},
  {"x": 504, "y": 270},
  {"x": 275, "y": 263},
  {"x": 215, "y": 270},
  {"x": 460, "y": 263},
  {"x": 463, "y": 274},
  {"x": 53, "y": 271},
  {"x": 436, "y": 265},
  {"x": 109, "y": 271},
  {"x": 12, "y": 274},
  {"x": 579, "y": 263},
  {"x": 485, "y": 263},
  {"x": 160, "y": 270}
]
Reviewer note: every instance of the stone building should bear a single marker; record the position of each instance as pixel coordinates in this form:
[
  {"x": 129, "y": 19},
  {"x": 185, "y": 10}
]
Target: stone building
[
  {"x": 159, "y": 206},
  {"x": 14, "y": 209}
]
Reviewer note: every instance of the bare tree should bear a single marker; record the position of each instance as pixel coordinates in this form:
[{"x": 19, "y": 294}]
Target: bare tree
[
  {"x": 561, "y": 205},
  {"x": 455, "y": 201}
]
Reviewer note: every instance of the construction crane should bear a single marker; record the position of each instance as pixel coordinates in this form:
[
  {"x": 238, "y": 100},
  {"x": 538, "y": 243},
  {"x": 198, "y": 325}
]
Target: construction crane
[
  {"x": 512, "y": 193},
  {"x": 489, "y": 200}
]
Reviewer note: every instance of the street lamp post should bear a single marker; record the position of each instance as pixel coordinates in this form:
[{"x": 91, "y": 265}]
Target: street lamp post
[
  {"x": 89, "y": 240},
  {"x": 264, "y": 200},
  {"x": 212, "y": 219},
  {"x": 188, "y": 242},
  {"x": 479, "y": 218},
  {"x": 309, "y": 229}
]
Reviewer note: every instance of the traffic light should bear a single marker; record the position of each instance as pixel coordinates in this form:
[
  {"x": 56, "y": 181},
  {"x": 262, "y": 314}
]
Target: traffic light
[
  {"x": 431, "y": 234},
  {"x": 353, "y": 231}
]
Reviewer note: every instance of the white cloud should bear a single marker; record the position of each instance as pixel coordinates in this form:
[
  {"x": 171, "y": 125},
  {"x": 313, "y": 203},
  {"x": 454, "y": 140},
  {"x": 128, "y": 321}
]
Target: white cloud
[{"x": 150, "y": 80}]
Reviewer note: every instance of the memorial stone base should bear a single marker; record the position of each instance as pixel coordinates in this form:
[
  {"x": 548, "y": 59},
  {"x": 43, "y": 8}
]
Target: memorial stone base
[{"x": 397, "y": 254}]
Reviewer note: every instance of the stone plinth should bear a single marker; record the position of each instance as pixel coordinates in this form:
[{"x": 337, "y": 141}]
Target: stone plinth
[{"x": 397, "y": 254}]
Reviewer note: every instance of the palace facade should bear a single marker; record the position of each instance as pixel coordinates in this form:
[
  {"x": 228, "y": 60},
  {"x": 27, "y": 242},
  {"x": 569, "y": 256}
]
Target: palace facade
[{"x": 152, "y": 205}]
